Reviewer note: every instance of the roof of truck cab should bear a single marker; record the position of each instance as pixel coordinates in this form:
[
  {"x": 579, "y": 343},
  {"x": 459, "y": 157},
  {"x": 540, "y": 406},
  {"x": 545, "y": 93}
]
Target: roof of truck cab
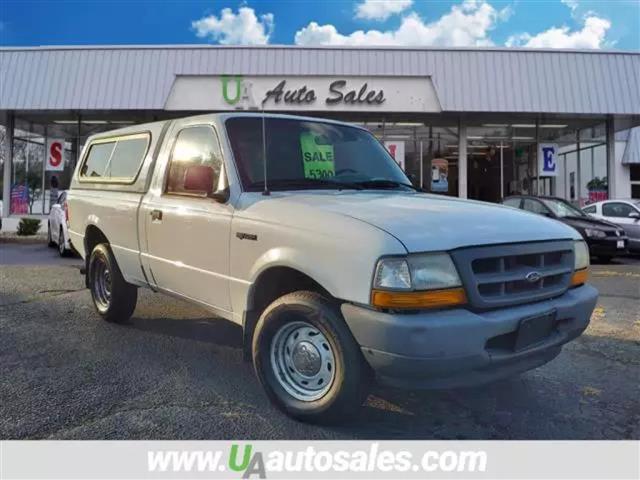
[{"x": 221, "y": 117}]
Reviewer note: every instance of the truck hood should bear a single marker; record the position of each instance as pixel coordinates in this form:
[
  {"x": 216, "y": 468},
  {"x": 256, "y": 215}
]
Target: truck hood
[{"x": 424, "y": 222}]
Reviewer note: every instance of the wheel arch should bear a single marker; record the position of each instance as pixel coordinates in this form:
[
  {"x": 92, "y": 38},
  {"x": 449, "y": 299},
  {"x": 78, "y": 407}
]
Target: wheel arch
[
  {"x": 92, "y": 236},
  {"x": 272, "y": 283}
]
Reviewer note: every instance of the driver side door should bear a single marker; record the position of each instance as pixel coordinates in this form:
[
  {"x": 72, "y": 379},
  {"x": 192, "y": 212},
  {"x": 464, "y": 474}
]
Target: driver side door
[{"x": 187, "y": 231}]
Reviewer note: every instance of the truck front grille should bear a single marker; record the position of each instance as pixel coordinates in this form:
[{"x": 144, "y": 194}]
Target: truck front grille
[{"x": 501, "y": 275}]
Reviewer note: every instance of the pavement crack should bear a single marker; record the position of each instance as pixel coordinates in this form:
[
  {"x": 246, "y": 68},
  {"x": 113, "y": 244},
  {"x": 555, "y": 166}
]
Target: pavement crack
[{"x": 39, "y": 297}]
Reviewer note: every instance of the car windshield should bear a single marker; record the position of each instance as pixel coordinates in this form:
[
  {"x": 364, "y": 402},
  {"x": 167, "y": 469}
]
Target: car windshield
[
  {"x": 562, "y": 208},
  {"x": 307, "y": 154}
]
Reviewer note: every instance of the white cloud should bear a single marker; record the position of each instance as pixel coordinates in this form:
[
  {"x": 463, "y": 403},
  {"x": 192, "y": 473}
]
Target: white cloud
[
  {"x": 572, "y": 4},
  {"x": 232, "y": 28},
  {"x": 592, "y": 35},
  {"x": 466, "y": 24},
  {"x": 381, "y": 9}
]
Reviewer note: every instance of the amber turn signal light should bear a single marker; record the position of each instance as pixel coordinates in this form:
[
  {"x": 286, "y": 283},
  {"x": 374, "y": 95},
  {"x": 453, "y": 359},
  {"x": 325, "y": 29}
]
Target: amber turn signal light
[
  {"x": 580, "y": 277},
  {"x": 426, "y": 299}
]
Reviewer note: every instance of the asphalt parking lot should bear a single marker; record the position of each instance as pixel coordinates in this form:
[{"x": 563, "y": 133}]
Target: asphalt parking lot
[{"x": 174, "y": 372}]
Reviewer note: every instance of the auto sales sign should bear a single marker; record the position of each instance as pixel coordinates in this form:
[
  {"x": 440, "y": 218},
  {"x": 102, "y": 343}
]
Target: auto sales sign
[
  {"x": 303, "y": 93},
  {"x": 55, "y": 155}
]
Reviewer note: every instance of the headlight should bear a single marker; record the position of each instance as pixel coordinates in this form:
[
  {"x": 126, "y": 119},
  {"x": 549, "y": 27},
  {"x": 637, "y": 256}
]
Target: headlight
[
  {"x": 581, "y": 255},
  {"x": 590, "y": 232},
  {"x": 581, "y": 263},
  {"x": 416, "y": 272},
  {"x": 393, "y": 273},
  {"x": 417, "y": 281}
]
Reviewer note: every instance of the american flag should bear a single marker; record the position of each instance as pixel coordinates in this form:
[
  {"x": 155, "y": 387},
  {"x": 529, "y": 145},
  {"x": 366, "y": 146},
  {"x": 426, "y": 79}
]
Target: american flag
[{"x": 19, "y": 199}]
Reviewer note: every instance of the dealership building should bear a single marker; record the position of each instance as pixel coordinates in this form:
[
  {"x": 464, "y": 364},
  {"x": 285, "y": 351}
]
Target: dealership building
[{"x": 472, "y": 123}]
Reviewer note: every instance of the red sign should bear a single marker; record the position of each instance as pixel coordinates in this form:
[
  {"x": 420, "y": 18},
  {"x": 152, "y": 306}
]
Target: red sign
[{"x": 55, "y": 155}]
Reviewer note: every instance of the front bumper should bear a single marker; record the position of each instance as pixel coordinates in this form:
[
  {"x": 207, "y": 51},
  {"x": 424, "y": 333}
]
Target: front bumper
[
  {"x": 607, "y": 246},
  {"x": 448, "y": 348}
]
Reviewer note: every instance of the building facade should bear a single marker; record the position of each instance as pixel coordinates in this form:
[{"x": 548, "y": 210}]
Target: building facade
[{"x": 472, "y": 123}]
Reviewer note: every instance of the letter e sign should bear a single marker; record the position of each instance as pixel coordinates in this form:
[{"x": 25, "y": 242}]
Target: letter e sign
[
  {"x": 55, "y": 155},
  {"x": 548, "y": 159}
]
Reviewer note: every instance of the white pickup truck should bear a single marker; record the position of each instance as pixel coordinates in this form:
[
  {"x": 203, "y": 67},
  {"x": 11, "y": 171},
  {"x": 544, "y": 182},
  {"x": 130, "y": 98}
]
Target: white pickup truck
[{"x": 339, "y": 270}]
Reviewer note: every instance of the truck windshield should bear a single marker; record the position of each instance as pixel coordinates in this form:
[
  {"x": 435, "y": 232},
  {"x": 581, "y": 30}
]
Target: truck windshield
[{"x": 305, "y": 155}]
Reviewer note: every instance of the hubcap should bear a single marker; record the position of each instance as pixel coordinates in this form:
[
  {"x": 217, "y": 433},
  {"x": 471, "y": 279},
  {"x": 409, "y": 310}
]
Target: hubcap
[
  {"x": 303, "y": 361},
  {"x": 101, "y": 284}
]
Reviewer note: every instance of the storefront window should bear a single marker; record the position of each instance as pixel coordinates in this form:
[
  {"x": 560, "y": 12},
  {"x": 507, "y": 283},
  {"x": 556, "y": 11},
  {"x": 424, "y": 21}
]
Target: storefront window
[
  {"x": 582, "y": 177},
  {"x": 503, "y": 159},
  {"x": 36, "y": 182},
  {"x": 427, "y": 153}
]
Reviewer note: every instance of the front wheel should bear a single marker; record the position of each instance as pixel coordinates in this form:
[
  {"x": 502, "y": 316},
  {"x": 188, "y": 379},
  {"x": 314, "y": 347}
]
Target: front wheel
[
  {"x": 307, "y": 360},
  {"x": 114, "y": 298}
]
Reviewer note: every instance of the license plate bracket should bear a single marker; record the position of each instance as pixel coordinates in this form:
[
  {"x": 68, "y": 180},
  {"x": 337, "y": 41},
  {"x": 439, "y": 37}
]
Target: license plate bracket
[{"x": 534, "y": 329}]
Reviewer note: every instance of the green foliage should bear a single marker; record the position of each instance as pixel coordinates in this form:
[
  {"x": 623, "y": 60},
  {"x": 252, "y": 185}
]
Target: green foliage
[
  {"x": 597, "y": 183},
  {"x": 28, "y": 226}
]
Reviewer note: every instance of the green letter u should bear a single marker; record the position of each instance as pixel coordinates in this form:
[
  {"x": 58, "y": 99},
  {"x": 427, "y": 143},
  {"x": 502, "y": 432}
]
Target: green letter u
[
  {"x": 225, "y": 93},
  {"x": 233, "y": 458}
]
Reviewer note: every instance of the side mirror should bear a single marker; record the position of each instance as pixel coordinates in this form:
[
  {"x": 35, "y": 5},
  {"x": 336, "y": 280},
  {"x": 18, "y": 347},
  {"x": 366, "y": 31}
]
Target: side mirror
[
  {"x": 198, "y": 179},
  {"x": 635, "y": 215}
]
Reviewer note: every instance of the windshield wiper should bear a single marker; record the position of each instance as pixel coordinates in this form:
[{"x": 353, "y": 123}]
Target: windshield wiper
[
  {"x": 386, "y": 184},
  {"x": 305, "y": 183}
]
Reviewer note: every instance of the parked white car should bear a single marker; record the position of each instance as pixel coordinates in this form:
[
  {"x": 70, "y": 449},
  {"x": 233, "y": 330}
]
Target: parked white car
[
  {"x": 337, "y": 269},
  {"x": 623, "y": 212},
  {"x": 58, "y": 233}
]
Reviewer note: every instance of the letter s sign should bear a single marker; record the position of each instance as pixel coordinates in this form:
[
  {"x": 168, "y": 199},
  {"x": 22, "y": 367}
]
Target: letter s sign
[
  {"x": 55, "y": 155},
  {"x": 548, "y": 159}
]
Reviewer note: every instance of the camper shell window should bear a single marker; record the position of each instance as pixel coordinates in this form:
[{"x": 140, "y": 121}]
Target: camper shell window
[{"x": 116, "y": 159}]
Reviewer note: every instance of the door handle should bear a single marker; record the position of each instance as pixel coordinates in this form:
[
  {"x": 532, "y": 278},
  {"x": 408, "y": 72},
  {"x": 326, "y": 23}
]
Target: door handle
[{"x": 156, "y": 215}]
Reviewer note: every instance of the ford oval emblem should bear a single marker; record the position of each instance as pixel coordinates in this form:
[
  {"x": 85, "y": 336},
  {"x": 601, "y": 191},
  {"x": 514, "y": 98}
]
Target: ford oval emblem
[{"x": 533, "y": 277}]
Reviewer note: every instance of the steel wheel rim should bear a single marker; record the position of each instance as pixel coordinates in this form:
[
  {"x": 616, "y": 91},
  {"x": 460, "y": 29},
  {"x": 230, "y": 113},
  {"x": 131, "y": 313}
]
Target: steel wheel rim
[
  {"x": 303, "y": 361},
  {"x": 101, "y": 284}
]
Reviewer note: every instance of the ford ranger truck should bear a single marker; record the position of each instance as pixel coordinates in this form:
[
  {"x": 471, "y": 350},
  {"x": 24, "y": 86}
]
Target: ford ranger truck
[{"x": 308, "y": 234}]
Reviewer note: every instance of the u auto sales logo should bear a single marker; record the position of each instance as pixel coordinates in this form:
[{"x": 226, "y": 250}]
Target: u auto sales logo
[{"x": 240, "y": 93}]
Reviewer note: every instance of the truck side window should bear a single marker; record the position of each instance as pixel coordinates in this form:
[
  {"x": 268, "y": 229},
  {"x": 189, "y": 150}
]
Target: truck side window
[
  {"x": 195, "y": 146},
  {"x": 116, "y": 160},
  {"x": 97, "y": 160}
]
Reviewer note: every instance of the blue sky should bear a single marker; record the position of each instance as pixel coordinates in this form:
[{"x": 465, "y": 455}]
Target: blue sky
[{"x": 533, "y": 23}]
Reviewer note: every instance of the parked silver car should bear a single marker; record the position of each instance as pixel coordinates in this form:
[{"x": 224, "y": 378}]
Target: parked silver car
[
  {"x": 58, "y": 235},
  {"x": 623, "y": 212}
]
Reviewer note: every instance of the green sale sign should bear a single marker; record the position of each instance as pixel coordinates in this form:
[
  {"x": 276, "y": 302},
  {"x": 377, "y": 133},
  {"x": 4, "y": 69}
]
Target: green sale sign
[{"x": 317, "y": 158}]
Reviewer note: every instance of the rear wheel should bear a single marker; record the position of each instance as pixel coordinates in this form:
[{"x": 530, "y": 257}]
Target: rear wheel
[
  {"x": 307, "y": 360},
  {"x": 114, "y": 298}
]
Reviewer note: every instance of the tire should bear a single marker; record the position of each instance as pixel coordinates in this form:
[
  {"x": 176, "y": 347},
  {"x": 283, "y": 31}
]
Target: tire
[
  {"x": 341, "y": 363},
  {"x": 50, "y": 242},
  {"x": 61, "y": 248},
  {"x": 114, "y": 298}
]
